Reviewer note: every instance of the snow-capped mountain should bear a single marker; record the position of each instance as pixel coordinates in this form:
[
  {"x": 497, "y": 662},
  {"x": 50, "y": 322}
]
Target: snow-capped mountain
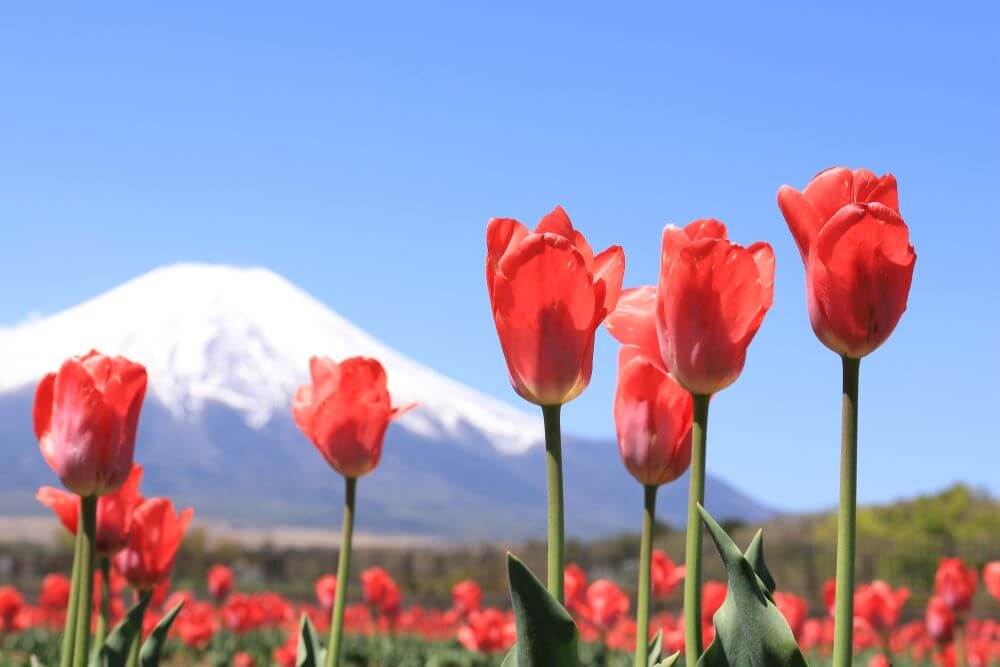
[
  {"x": 225, "y": 349},
  {"x": 243, "y": 338}
]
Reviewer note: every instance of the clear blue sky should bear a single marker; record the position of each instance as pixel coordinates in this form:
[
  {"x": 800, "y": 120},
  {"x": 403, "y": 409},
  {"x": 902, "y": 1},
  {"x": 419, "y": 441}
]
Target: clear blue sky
[{"x": 359, "y": 152}]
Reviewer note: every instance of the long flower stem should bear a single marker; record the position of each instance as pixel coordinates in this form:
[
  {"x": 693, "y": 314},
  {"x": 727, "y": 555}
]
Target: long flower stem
[
  {"x": 843, "y": 631},
  {"x": 557, "y": 531},
  {"x": 81, "y": 645},
  {"x": 959, "y": 641},
  {"x": 343, "y": 574},
  {"x": 102, "y": 620},
  {"x": 692, "y": 551},
  {"x": 69, "y": 629},
  {"x": 645, "y": 564}
]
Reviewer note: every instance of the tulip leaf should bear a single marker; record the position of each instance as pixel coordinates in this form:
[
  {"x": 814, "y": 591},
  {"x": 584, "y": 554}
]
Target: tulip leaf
[
  {"x": 309, "y": 653},
  {"x": 670, "y": 660},
  {"x": 655, "y": 649},
  {"x": 153, "y": 646},
  {"x": 546, "y": 634},
  {"x": 510, "y": 660},
  {"x": 749, "y": 628},
  {"x": 114, "y": 652}
]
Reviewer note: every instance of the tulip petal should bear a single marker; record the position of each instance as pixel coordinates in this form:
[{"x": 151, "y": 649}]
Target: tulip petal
[
  {"x": 705, "y": 228},
  {"x": 763, "y": 257},
  {"x": 829, "y": 191},
  {"x": 633, "y": 323},
  {"x": 609, "y": 270},
  {"x": 544, "y": 307},
  {"x": 66, "y": 506},
  {"x": 83, "y": 425},
  {"x": 501, "y": 235},
  {"x": 42, "y": 410},
  {"x": 557, "y": 221},
  {"x": 803, "y": 220}
]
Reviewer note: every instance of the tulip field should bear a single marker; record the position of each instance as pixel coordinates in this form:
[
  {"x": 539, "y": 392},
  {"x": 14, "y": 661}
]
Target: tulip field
[{"x": 683, "y": 338}]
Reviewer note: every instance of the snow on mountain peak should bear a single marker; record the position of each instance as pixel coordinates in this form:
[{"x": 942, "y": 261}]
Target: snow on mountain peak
[{"x": 243, "y": 337}]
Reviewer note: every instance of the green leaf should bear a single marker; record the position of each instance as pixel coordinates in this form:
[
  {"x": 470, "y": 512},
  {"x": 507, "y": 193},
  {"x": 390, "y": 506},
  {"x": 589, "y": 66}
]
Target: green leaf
[
  {"x": 670, "y": 660},
  {"x": 153, "y": 646},
  {"x": 510, "y": 660},
  {"x": 655, "y": 648},
  {"x": 546, "y": 635},
  {"x": 309, "y": 653},
  {"x": 749, "y": 628},
  {"x": 116, "y": 647}
]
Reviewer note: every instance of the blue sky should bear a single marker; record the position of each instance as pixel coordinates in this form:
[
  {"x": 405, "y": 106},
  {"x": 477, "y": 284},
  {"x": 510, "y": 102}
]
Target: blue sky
[{"x": 360, "y": 150}]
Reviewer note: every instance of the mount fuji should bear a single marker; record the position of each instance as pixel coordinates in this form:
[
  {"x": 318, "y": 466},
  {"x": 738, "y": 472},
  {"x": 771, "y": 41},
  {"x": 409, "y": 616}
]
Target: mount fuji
[{"x": 225, "y": 349}]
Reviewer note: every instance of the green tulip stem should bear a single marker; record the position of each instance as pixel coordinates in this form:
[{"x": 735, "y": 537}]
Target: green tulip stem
[
  {"x": 645, "y": 565},
  {"x": 69, "y": 629},
  {"x": 843, "y": 642},
  {"x": 557, "y": 536},
  {"x": 102, "y": 620},
  {"x": 692, "y": 551},
  {"x": 88, "y": 526},
  {"x": 959, "y": 641},
  {"x": 343, "y": 573}
]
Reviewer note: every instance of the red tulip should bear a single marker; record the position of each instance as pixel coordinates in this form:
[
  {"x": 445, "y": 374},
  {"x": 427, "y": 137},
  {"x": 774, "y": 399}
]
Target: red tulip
[
  {"x": 710, "y": 301},
  {"x": 574, "y": 586},
  {"x": 345, "y": 411},
  {"x": 466, "y": 596},
  {"x": 713, "y": 594},
  {"x": 549, "y": 293},
  {"x": 220, "y": 581},
  {"x": 940, "y": 620},
  {"x": 879, "y": 605},
  {"x": 54, "y": 595},
  {"x": 243, "y": 659},
  {"x": 196, "y": 623},
  {"x": 114, "y": 511},
  {"x": 148, "y": 558},
  {"x": 487, "y": 631},
  {"x": 857, "y": 254},
  {"x": 380, "y": 591},
  {"x": 830, "y": 596},
  {"x": 955, "y": 584},
  {"x": 991, "y": 578},
  {"x": 11, "y": 604},
  {"x": 665, "y": 574},
  {"x": 606, "y": 604},
  {"x": 86, "y": 417},
  {"x": 879, "y": 660},
  {"x": 326, "y": 591},
  {"x": 653, "y": 421},
  {"x": 794, "y": 609}
]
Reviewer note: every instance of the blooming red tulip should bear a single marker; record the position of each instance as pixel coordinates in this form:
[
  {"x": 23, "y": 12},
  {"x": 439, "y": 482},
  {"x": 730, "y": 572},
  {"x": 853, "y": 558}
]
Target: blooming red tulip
[
  {"x": 710, "y": 301},
  {"x": 940, "y": 620},
  {"x": 466, "y": 596},
  {"x": 380, "y": 591},
  {"x": 549, "y": 293},
  {"x": 196, "y": 623},
  {"x": 54, "y": 595},
  {"x": 114, "y": 511},
  {"x": 606, "y": 603},
  {"x": 830, "y": 596},
  {"x": 326, "y": 591},
  {"x": 487, "y": 631},
  {"x": 574, "y": 586},
  {"x": 11, "y": 604},
  {"x": 653, "y": 421},
  {"x": 955, "y": 584},
  {"x": 794, "y": 609},
  {"x": 713, "y": 594},
  {"x": 148, "y": 558},
  {"x": 86, "y": 417},
  {"x": 879, "y": 605},
  {"x": 665, "y": 575},
  {"x": 345, "y": 411},
  {"x": 857, "y": 254},
  {"x": 991, "y": 578},
  {"x": 220, "y": 581}
]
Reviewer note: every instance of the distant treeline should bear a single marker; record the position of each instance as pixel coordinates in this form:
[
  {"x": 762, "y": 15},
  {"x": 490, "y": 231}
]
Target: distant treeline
[{"x": 900, "y": 543}]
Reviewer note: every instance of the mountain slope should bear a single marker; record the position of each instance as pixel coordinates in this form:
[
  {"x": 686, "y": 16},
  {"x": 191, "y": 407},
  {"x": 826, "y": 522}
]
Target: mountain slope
[{"x": 225, "y": 349}]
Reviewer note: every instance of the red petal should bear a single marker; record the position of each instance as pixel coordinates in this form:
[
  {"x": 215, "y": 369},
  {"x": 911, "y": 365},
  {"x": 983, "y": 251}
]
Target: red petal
[
  {"x": 42, "y": 410},
  {"x": 557, "y": 222},
  {"x": 502, "y": 234},
  {"x": 830, "y": 191},
  {"x": 802, "y": 219},
  {"x": 633, "y": 323},
  {"x": 609, "y": 270}
]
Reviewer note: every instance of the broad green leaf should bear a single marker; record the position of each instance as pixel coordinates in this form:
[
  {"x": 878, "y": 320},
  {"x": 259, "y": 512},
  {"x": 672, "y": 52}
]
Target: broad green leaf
[
  {"x": 153, "y": 646},
  {"x": 546, "y": 635},
  {"x": 670, "y": 660},
  {"x": 309, "y": 653},
  {"x": 749, "y": 628},
  {"x": 116, "y": 647},
  {"x": 655, "y": 649},
  {"x": 510, "y": 660}
]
